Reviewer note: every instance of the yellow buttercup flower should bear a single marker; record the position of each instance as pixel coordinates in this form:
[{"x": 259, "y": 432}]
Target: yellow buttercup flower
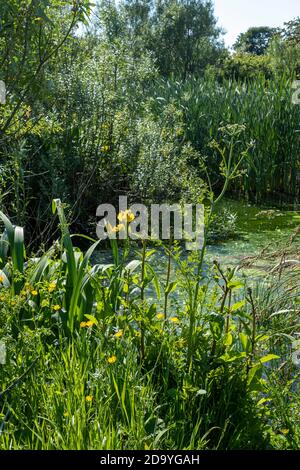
[
  {"x": 89, "y": 398},
  {"x": 118, "y": 228},
  {"x": 160, "y": 316},
  {"x": 284, "y": 431},
  {"x": 66, "y": 414},
  {"x": 105, "y": 148},
  {"x": 34, "y": 293},
  {"x": 56, "y": 307},
  {"x": 174, "y": 320},
  {"x": 90, "y": 323},
  {"x": 126, "y": 216},
  {"x": 52, "y": 287},
  {"x": 1, "y": 278},
  {"x": 83, "y": 324},
  {"x": 112, "y": 359},
  {"x": 119, "y": 334}
]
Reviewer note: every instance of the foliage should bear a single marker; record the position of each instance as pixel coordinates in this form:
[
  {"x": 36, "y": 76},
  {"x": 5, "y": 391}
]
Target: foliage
[
  {"x": 127, "y": 366},
  {"x": 270, "y": 118},
  {"x": 242, "y": 67},
  {"x": 255, "y": 40},
  {"x": 285, "y": 49},
  {"x": 181, "y": 36}
]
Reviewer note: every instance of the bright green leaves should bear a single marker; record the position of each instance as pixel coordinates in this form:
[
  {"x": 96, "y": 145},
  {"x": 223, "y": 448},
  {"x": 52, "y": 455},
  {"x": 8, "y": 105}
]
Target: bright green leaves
[
  {"x": 77, "y": 278},
  {"x": 13, "y": 239}
]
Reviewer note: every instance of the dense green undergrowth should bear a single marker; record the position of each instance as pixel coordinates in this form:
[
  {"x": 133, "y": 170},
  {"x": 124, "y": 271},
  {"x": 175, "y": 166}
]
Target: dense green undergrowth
[
  {"x": 94, "y": 362},
  {"x": 143, "y": 99}
]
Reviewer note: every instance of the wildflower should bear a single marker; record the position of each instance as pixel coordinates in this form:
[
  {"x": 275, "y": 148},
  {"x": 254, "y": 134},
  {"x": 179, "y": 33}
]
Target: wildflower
[
  {"x": 2, "y": 298},
  {"x": 119, "y": 334},
  {"x": 180, "y": 343},
  {"x": 1, "y": 278},
  {"x": 118, "y": 228},
  {"x": 105, "y": 148},
  {"x": 90, "y": 323},
  {"x": 126, "y": 216},
  {"x": 34, "y": 293},
  {"x": 45, "y": 303},
  {"x": 112, "y": 359},
  {"x": 89, "y": 398},
  {"x": 174, "y": 320},
  {"x": 56, "y": 307},
  {"x": 66, "y": 414},
  {"x": 160, "y": 316},
  {"x": 52, "y": 286},
  {"x": 83, "y": 324},
  {"x": 284, "y": 431}
]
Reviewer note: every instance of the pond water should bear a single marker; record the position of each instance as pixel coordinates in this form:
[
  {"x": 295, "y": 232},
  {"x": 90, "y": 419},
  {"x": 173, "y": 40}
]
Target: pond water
[{"x": 257, "y": 227}]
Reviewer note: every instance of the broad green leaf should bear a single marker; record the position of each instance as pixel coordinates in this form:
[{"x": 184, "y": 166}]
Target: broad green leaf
[
  {"x": 235, "y": 285},
  {"x": 237, "y": 305},
  {"x": 131, "y": 267},
  {"x": 244, "y": 340},
  {"x": 92, "y": 318},
  {"x": 269, "y": 357},
  {"x": 228, "y": 339},
  {"x": 171, "y": 287}
]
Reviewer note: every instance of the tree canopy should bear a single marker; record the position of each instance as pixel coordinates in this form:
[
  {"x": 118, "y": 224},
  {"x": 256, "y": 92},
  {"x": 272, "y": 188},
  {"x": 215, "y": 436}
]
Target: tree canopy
[{"x": 255, "y": 40}]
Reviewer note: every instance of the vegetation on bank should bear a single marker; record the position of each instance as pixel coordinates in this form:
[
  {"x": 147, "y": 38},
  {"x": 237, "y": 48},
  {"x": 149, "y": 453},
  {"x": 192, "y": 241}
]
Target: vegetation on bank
[
  {"x": 142, "y": 98},
  {"x": 93, "y": 362}
]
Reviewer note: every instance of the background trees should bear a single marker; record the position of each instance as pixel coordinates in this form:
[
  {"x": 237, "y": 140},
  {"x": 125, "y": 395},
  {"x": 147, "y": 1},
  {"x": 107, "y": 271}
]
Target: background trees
[
  {"x": 255, "y": 40},
  {"x": 181, "y": 36}
]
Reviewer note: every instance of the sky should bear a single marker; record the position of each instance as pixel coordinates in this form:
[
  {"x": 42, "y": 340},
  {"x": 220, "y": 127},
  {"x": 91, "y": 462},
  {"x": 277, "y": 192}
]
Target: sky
[{"x": 236, "y": 16}]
